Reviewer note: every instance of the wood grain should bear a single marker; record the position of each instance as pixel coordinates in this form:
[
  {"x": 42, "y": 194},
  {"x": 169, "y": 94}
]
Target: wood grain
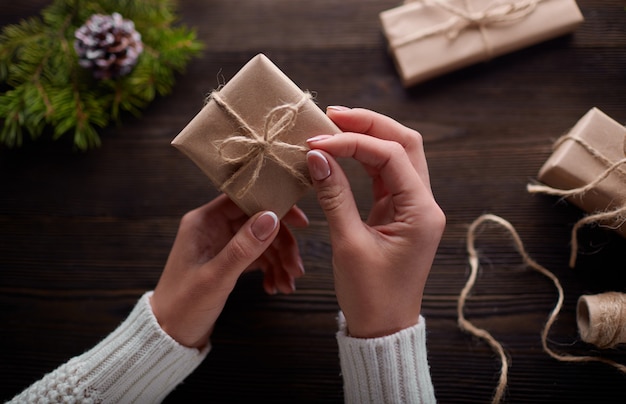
[{"x": 82, "y": 236}]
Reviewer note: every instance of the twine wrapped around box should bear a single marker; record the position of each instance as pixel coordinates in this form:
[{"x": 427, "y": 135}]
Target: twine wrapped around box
[
  {"x": 588, "y": 167},
  {"x": 462, "y": 18},
  {"x": 261, "y": 146},
  {"x": 428, "y": 38},
  {"x": 250, "y": 138}
]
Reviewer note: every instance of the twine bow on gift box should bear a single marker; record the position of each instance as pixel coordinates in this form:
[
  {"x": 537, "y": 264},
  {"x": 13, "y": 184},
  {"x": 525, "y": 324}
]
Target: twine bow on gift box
[
  {"x": 614, "y": 217},
  {"x": 495, "y": 13},
  {"x": 261, "y": 146}
]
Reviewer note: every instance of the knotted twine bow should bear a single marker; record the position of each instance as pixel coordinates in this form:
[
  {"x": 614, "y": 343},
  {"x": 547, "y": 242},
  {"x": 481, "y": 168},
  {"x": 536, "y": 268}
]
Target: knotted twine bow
[
  {"x": 616, "y": 217},
  {"x": 261, "y": 146},
  {"x": 462, "y": 19}
]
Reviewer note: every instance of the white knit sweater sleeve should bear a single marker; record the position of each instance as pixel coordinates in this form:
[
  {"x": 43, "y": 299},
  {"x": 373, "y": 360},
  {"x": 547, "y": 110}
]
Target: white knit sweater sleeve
[
  {"x": 390, "y": 369},
  {"x": 138, "y": 362}
]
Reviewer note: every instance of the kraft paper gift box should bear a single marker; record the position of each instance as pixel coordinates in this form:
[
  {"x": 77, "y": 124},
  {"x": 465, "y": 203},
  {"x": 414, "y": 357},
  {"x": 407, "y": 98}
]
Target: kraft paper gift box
[
  {"x": 250, "y": 138},
  {"x": 428, "y": 38},
  {"x": 589, "y": 149}
]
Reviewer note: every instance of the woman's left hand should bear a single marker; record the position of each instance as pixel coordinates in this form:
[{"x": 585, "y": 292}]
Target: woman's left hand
[{"x": 215, "y": 244}]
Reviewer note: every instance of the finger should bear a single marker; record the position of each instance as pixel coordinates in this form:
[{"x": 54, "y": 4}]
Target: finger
[
  {"x": 286, "y": 247},
  {"x": 283, "y": 281},
  {"x": 333, "y": 193},
  {"x": 371, "y": 123},
  {"x": 388, "y": 163},
  {"x": 281, "y": 263},
  {"x": 224, "y": 205},
  {"x": 276, "y": 277},
  {"x": 248, "y": 244},
  {"x": 296, "y": 217},
  {"x": 269, "y": 283}
]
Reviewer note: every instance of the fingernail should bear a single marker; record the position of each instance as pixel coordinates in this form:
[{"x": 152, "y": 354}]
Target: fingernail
[
  {"x": 318, "y": 138},
  {"x": 264, "y": 225},
  {"x": 293, "y": 285},
  {"x": 337, "y": 108},
  {"x": 301, "y": 266},
  {"x": 318, "y": 165}
]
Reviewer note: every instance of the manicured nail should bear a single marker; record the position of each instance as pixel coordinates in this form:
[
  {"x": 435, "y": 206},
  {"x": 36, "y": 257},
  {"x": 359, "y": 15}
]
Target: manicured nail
[
  {"x": 301, "y": 266},
  {"x": 293, "y": 285},
  {"x": 318, "y": 138},
  {"x": 337, "y": 108},
  {"x": 318, "y": 165},
  {"x": 264, "y": 225}
]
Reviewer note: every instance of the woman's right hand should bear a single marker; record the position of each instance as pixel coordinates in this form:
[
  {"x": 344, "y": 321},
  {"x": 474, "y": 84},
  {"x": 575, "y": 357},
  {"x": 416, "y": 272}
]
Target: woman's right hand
[{"x": 381, "y": 265}]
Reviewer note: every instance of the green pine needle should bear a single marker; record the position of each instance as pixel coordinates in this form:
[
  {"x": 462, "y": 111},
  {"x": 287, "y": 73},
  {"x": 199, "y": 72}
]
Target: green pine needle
[{"x": 45, "y": 87}]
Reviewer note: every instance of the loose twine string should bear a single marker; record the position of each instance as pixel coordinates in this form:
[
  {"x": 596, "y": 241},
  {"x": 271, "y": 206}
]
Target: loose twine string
[
  {"x": 261, "y": 146},
  {"x": 612, "y": 218},
  {"x": 468, "y": 327},
  {"x": 462, "y": 19}
]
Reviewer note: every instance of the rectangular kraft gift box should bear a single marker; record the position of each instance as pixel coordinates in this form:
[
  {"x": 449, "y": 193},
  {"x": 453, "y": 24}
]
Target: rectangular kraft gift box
[
  {"x": 251, "y": 96},
  {"x": 571, "y": 165},
  {"x": 428, "y": 38}
]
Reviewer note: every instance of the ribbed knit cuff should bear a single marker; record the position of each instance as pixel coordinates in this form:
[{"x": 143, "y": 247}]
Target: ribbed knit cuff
[
  {"x": 390, "y": 369},
  {"x": 138, "y": 362}
]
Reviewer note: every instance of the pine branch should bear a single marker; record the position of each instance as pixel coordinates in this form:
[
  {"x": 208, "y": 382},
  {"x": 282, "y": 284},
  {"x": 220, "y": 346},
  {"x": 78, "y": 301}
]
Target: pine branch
[{"x": 48, "y": 88}]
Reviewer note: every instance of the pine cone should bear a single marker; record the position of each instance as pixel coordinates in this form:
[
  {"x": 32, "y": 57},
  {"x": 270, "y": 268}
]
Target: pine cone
[{"x": 108, "y": 44}]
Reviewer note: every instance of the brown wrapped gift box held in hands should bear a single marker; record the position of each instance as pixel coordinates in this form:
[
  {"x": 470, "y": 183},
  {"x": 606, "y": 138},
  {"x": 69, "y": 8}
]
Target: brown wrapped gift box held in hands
[
  {"x": 590, "y": 148},
  {"x": 250, "y": 138},
  {"x": 428, "y": 38}
]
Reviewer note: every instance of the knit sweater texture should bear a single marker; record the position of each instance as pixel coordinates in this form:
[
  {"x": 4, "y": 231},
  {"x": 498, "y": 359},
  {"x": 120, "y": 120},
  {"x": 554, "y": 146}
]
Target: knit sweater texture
[
  {"x": 136, "y": 363},
  {"x": 140, "y": 363},
  {"x": 389, "y": 369}
]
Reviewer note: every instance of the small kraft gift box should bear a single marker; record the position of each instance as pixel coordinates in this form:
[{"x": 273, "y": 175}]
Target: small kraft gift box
[
  {"x": 250, "y": 138},
  {"x": 428, "y": 38},
  {"x": 590, "y": 162}
]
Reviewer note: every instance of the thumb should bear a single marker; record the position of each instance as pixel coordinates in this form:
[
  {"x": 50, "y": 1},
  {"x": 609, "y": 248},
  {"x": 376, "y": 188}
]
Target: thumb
[
  {"x": 248, "y": 244},
  {"x": 333, "y": 193}
]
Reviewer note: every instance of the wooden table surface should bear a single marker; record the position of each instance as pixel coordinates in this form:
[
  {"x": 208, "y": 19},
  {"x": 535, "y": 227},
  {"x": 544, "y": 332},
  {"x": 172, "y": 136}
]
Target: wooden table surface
[{"x": 83, "y": 235}]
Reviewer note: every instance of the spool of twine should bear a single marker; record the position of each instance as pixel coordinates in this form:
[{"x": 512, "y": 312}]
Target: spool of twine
[
  {"x": 469, "y": 327},
  {"x": 601, "y": 319}
]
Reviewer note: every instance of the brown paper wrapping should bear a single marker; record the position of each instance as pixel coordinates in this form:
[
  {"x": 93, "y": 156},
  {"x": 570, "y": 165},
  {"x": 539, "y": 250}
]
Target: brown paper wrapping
[
  {"x": 572, "y": 166},
  {"x": 455, "y": 42},
  {"x": 252, "y": 93}
]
